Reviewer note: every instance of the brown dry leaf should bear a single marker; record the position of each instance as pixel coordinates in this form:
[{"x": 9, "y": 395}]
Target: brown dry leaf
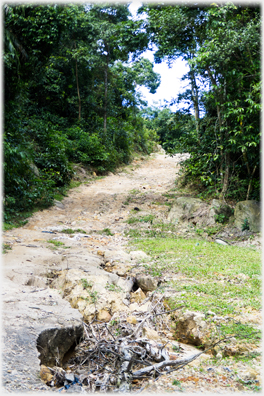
[
  {"x": 45, "y": 374},
  {"x": 190, "y": 378}
]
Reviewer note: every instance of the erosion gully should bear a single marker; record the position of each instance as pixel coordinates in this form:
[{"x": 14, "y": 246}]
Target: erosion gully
[
  {"x": 30, "y": 308},
  {"x": 39, "y": 326}
]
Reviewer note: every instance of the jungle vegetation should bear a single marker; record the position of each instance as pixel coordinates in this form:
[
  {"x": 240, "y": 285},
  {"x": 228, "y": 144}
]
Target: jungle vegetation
[{"x": 71, "y": 74}]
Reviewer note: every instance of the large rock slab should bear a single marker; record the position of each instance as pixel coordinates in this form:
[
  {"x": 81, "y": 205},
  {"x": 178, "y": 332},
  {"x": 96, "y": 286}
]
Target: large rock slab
[
  {"x": 93, "y": 295},
  {"x": 146, "y": 283},
  {"x": 183, "y": 207},
  {"x": 117, "y": 255},
  {"x": 249, "y": 210},
  {"x": 189, "y": 209},
  {"x": 54, "y": 343},
  {"x": 191, "y": 328}
]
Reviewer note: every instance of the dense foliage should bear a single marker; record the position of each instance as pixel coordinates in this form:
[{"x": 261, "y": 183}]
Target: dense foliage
[
  {"x": 221, "y": 44},
  {"x": 70, "y": 95},
  {"x": 71, "y": 74}
]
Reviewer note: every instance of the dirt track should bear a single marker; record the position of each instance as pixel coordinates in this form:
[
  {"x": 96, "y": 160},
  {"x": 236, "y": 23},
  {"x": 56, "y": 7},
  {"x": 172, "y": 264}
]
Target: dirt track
[{"x": 29, "y": 306}]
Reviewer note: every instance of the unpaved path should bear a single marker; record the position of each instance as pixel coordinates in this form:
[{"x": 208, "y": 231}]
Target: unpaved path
[{"x": 29, "y": 306}]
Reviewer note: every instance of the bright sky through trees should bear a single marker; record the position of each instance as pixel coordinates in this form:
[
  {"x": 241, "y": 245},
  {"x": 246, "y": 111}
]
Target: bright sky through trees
[{"x": 171, "y": 84}]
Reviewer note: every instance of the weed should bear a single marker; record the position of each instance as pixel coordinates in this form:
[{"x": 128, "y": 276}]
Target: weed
[
  {"x": 118, "y": 332},
  {"x": 176, "y": 382},
  {"x": 212, "y": 230},
  {"x": 153, "y": 271},
  {"x": 253, "y": 387},
  {"x": 74, "y": 184},
  {"x": 141, "y": 219},
  {"x": 199, "y": 231},
  {"x": 242, "y": 331},
  {"x": 94, "y": 296},
  {"x": 247, "y": 357},
  {"x": 19, "y": 220},
  {"x": 55, "y": 243},
  {"x": 70, "y": 231},
  {"x": 107, "y": 231},
  {"x": 133, "y": 233},
  {"x": 213, "y": 268},
  {"x": 176, "y": 348},
  {"x": 86, "y": 284},
  {"x": 67, "y": 231},
  {"x": 114, "y": 288},
  {"x": 167, "y": 195},
  {"x": 221, "y": 218},
  {"x": 6, "y": 247},
  {"x": 134, "y": 192},
  {"x": 130, "y": 197},
  {"x": 114, "y": 322},
  {"x": 245, "y": 225}
]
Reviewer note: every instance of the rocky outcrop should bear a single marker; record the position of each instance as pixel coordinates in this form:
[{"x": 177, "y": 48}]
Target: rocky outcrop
[
  {"x": 219, "y": 211},
  {"x": 146, "y": 283},
  {"x": 248, "y": 211},
  {"x": 101, "y": 296},
  {"x": 184, "y": 208},
  {"x": 197, "y": 212},
  {"x": 191, "y": 328},
  {"x": 93, "y": 296},
  {"x": 54, "y": 343}
]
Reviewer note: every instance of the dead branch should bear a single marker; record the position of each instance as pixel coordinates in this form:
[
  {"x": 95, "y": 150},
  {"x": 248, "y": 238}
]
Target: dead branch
[{"x": 165, "y": 363}]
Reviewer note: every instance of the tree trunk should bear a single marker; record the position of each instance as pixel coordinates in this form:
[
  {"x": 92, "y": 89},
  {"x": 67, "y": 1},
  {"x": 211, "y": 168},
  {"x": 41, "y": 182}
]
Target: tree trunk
[
  {"x": 250, "y": 182},
  {"x": 195, "y": 100},
  {"x": 105, "y": 99},
  {"x": 106, "y": 89},
  {"x": 226, "y": 176},
  {"x": 77, "y": 83}
]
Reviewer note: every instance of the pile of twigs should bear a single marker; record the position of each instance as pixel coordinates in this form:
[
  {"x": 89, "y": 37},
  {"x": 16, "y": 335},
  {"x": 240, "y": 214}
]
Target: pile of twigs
[{"x": 116, "y": 356}]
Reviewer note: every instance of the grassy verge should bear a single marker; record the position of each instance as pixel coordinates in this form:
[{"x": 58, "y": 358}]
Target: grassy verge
[{"x": 208, "y": 277}]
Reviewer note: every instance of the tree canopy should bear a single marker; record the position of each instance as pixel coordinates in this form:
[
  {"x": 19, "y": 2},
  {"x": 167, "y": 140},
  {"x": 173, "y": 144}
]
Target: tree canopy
[
  {"x": 70, "y": 95},
  {"x": 221, "y": 44},
  {"x": 71, "y": 74}
]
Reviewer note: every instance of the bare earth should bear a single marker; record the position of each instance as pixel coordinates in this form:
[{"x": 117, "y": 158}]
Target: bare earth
[{"x": 30, "y": 306}]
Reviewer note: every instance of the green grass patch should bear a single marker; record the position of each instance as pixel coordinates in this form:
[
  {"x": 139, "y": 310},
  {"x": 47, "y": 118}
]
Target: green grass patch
[
  {"x": 215, "y": 269},
  {"x": 141, "y": 219},
  {"x": 242, "y": 331},
  {"x": 132, "y": 233},
  {"x": 170, "y": 195},
  {"x": 56, "y": 243},
  {"x": 134, "y": 192},
  {"x": 106, "y": 231},
  {"x": 74, "y": 184},
  {"x": 6, "y": 247},
  {"x": 71, "y": 231},
  {"x": 19, "y": 219},
  {"x": 164, "y": 227}
]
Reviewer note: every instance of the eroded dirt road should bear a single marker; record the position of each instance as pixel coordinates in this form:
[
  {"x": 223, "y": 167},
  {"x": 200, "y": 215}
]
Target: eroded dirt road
[
  {"x": 97, "y": 211},
  {"x": 29, "y": 305}
]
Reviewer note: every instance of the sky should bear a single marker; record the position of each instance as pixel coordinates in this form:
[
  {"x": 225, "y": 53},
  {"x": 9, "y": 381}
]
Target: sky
[{"x": 171, "y": 84}]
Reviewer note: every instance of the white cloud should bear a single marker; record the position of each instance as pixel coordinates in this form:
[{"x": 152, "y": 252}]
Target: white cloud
[{"x": 171, "y": 84}]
